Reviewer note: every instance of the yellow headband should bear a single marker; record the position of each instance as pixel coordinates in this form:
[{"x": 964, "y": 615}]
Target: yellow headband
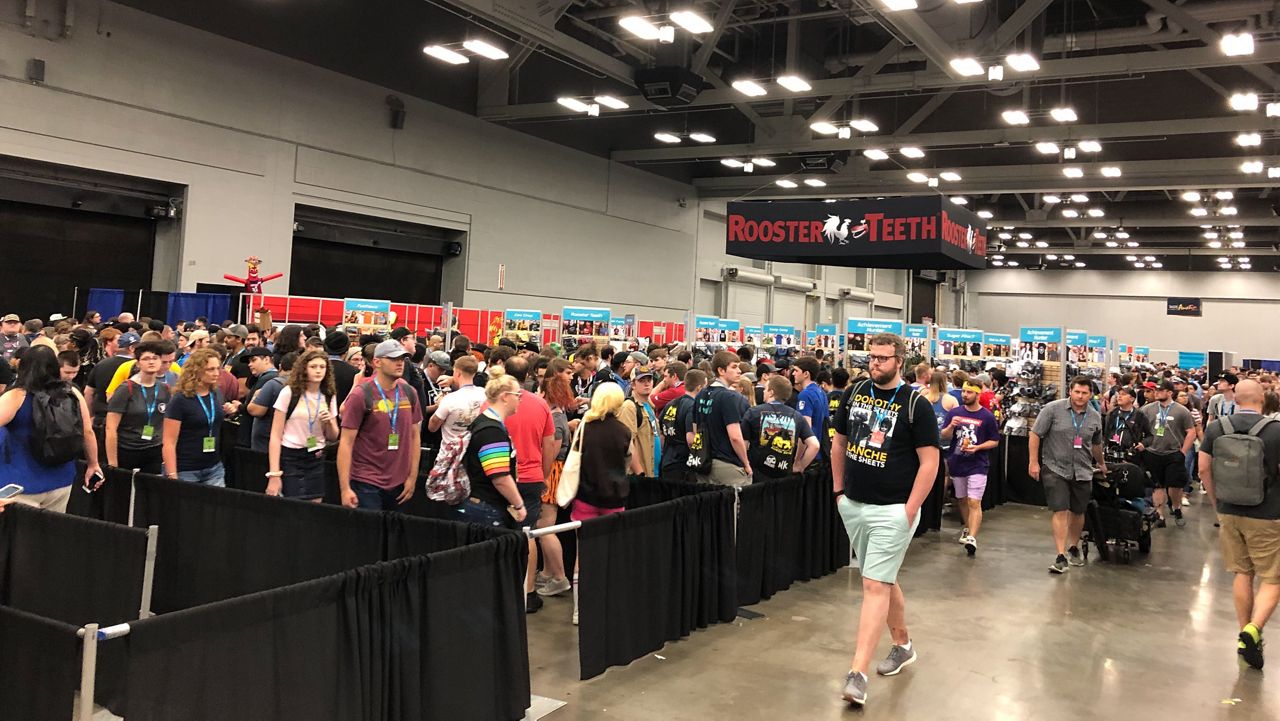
[{"x": 973, "y": 387}]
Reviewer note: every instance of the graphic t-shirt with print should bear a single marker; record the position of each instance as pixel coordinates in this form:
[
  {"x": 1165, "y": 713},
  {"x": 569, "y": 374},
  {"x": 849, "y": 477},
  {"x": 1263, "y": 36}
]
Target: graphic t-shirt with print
[
  {"x": 974, "y": 428},
  {"x": 880, "y": 457},
  {"x": 774, "y": 433},
  {"x": 675, "y": 422}
]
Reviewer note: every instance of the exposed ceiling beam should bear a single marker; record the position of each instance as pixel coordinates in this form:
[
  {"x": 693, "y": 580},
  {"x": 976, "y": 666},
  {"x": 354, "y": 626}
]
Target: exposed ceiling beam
[
  {"x": 703, "y": 56},
  {"x": 921, "y": 115},
  {"x": 1192, "y": 24},
  {"x": 921, "y": 34},
  {"x": 1020, "y": 20},
  {"x": 964, "y": 138},
  {"x": 760, "y": 124},
  {"x": 873, "y": 66},
  {"x": 1096, "y": 66}
]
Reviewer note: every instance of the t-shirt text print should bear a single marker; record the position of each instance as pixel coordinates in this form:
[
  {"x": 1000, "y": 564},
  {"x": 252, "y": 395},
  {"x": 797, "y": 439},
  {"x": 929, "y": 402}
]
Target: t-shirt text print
[{"x": 871, "y": 423}]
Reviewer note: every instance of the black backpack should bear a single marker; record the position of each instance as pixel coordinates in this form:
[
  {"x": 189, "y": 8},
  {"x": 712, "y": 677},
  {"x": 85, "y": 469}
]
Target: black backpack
[{"x": 57, "y": 428}]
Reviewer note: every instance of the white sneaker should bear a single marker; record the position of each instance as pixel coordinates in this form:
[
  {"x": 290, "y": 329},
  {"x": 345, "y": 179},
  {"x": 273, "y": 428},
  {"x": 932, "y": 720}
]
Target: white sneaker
[
  {"x": 970, "y": 545},
  {"x": 575, "y": 617},
  {"x": 1185, "y": 501},
  {"x": 964, "y": 533},
  {"x": 554, "y": 587}
]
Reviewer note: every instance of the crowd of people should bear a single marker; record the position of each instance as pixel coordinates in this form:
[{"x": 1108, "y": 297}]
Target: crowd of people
[{"x": 514, "y": 419}]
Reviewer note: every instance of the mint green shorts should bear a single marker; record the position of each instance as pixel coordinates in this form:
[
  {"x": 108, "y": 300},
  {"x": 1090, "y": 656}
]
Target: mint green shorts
[{"x": 879, "y": 536}]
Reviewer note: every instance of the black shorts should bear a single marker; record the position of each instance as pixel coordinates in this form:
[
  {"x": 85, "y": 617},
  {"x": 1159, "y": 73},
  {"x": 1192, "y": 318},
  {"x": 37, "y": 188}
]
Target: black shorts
[
  {"x": 303, "y": 473},
  {"x": 1168, "y": 470},
  {"x": 1062, "y": 494},
  {"x": 531, "y": 497},
  {"x": 147, "y": 460}
]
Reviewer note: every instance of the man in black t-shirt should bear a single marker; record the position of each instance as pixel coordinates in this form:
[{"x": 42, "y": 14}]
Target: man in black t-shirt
[
  {"x": 884, "y": 460},
  {"x": 336, "y": 344},
  {"x": 782, "y": 442},
  {"x": 676, "y": 424},
  {"x": 718, "y": 413}
]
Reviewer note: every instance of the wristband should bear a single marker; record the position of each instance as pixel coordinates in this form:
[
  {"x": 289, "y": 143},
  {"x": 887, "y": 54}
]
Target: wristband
[
  {"x": 273, "y": 474},
  {"x": 518, "y": 508}
]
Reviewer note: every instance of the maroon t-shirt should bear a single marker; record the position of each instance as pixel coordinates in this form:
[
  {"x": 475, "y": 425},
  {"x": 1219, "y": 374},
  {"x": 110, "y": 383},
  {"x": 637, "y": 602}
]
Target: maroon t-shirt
[{"x": 371, "y": 461}]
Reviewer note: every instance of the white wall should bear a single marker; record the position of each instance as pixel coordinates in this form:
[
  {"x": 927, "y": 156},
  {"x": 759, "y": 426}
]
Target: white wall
[
  {"x": 251, "y": 134},
  {"x": 1239, "y": 308}
]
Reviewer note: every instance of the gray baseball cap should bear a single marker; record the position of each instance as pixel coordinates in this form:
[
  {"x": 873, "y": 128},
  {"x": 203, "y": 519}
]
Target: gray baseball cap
[
  {"x": 390, "y": 349},
  {"x": 441, "y": 359}
]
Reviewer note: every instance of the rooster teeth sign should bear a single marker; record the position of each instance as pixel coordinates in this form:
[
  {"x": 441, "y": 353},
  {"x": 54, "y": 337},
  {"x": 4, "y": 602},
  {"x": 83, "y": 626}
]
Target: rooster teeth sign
[{"x": 919, "y": 232}]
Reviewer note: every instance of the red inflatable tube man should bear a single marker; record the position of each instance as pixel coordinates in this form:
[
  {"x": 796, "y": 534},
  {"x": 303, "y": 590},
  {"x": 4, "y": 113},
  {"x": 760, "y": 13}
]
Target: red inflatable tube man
[{"x": 253, "y": 283}]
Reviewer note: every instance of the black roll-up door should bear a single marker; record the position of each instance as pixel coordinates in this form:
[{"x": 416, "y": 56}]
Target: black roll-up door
[{"x": 340, "y": 270}]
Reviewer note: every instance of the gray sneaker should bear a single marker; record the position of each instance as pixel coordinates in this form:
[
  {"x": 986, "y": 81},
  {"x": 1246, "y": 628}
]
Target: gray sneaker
[
  {"x": 898, "y": 659},
  {"x": 554, "y": 587},
  {"x": 855, "y": 688}
]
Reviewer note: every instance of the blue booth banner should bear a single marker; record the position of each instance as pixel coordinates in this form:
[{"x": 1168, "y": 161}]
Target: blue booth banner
[
  {"x": 1039, "y": 343},
  {"x": 370, "y": 316},
  {"x": 751, "y": 335},
  {"x": 1077, "y": 346},
  {"x": 810, "y": 338},
  {"x": 996, "y": 345},
  {"x": 917, "y": 339},
  {"x": 1098, "y": 345},
  {"x": 522, "y": 325},
  {"x": 1141, "y": 353},
  {"x": 959, "y": 343},
  {"x": 1189, "y": 360},
  {"x": 585, "y": 322},
  {"x": 825, "y": 336},
  {"x": 782, "y": 336},
  {"x": 859, "y": 330},
  {"x": 730, "y": 330},
  {"x": 706, "y": 329}
]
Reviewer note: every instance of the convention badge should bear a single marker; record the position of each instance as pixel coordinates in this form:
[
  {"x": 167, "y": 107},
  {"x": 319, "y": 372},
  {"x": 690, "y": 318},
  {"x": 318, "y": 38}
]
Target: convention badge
[
  {"x": 210, "y": 445},
  {"x": 148, "y": 432},
  {"x": 1078, "y": 442},
  {"x": 393, "y": 441}
]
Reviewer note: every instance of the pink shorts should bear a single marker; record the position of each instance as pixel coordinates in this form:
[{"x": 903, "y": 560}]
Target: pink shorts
[
  {"x": 970, "y": 486},
  {"x": 583, "y": 511}
]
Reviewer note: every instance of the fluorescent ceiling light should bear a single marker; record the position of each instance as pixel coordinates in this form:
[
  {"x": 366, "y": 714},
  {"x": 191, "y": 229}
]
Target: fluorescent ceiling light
[
  {"x": 1006, "y": 236},
  {"x": 1199, "y": 212},
  {"x": 1149, "y": 258},
  {"x": 1022, "y": 62},
  {"x": 1236, "y": 234},
  {"x": 824, "y": 128},
  {"x": 814, "y": 183},
  {"x": 445, "y": 54},
  {"x": 1242, "y": 259},
  {"x": 959, "y": 200},
  {"x": 1238, "y": 244},
  {"x": 863, "y": 125},
  {"x": 1064, "y": 115},
  {"x": 794, "y": 83},
  {"x": 899, "y": 4},
  {"x": 1112, "y": 244},
  {"x": 1096, "y": 212},
  {"x": 763, "y": 162},
  {"x": 1245, "y": 266},
  {"x": 1070, "y": 213},
  {"x": 1110, "y": 171},
  {"x": 1073, "y": 172},
  {"x": 876, "y": 154},
  {"x": 995, "y": 73},
  {"x": 1131, "y": 244},
  {"x": 611, "y": 102},
  {"x": 997, "y": 263},
  {"x": 1228, "y": 210},
  {"x": 997, "y": 257},
  {"x": 784, "y": 183},
  {"x": 1224, "y": 195},
  {"x": 917, "y": 177},
  {"x": 667, "y": 137},
  {"x": 1051, "y": 256},
  {"x": 749, "y": 88},
  {"x": 950, "y": 176},
  {"x": 1023, "y": 244},
  {"x": 1234, "y": 44},
  {"x": 1273, "y": 110},
  {"x": 731, "y": 163},
  {"x": 1099, "y": 235},
  {"x": 1025, "y": 236},
  {"x": 1122, "y": 235},
  {"x": 1079, "y": 263},
  {"x": 968, "y": 67},
  {"x": 1224, "y": 259},
  {"x": 702, "y": 137},
  {"x": 1089, "y": 146},
  {"x": 986, "y": 214},
  {"x": 1215, "y": 244},
  {"x": 1191, "y": 196},
  {"x": 1249, "y": 140},
  {"x": 1042, "y": 244},
  {"x": 1047, "y": 148},
  {"x": 484, "y": 49},
  {"x": 1131, "y": 258},
  {"x": 575, "y": 105},
  {"x": 1139, "y": 265},
  {"x": 911, "y": 152},
  {"x": 1273, "y": 172},
  {"x": 692, "y": 21},
  {"x": 1012, "y": 264},
  {"x": 1244, "y": 101},
  {"x": 1157, "y": 265},
  {"x": 639, "y": 27},
  {"x": 1051, "y": 199},
  {"x": 1210, "y": 234},
  {"x": 1015, "y": 117}
]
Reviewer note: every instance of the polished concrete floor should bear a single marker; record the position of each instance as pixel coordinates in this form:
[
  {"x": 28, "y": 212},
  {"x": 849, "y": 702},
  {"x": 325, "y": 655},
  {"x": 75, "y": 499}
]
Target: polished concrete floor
[{"x": 998, "y": 636}]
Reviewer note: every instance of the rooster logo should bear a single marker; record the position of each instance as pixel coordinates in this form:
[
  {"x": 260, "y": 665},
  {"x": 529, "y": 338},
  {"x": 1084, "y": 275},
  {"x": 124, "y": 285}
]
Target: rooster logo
[
  {"x": 837, "y": 230},
  {"x": 970, "y": 237}
]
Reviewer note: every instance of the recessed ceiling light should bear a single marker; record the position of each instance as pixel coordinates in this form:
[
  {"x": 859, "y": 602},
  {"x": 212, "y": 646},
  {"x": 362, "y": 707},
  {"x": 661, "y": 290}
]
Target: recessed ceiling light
[
  {"x": 731, "y": 163},
  {"x": 1110, "y": 171},
  {"x": 794, "y": 83},
  {"x": 784, "y": 183},
  {"x": 911, "y": 152},
  {"x": 968, "y": 67},
  {"x": 950, "y": 176},
  {"x": 876, "y": 154},
  {"x": 899, "y": 4},
  {"x": 1089, "y": 146},
  {"x": 1096, "y": 212},
  {"x": 1112, "y": 244},
  {"x": 484, "y": 49},
  {"x": 749, "y": 88},
  {"x": 1047, "y": 148},
  {"x": 1015, "y": 117},
  {"x": 1215, "y": 244},
  {"x": 1122, "y": 235},
  {"x": 863, "y": 125},
  {"x": 1131, "y": 244},
  {"x": 1051, "y": 199},
  {"x": 986, "y": 214},
  {"x": 1224, "y": 195},
  {"x": 1073, "y": 172},
  {"x": 917, "y": 177},
  {"x": 667, "y": 137},
  {"x": 959, "y": 200},
  {"x": 1022, "y": 62},
  {"x": 1079, "y": 198},
  {"x": 824, "y": 128},
  {"x": 1042, "y": 244},
  {"x": 1070, "y": 213},
  {"x": 1131, "y": 258},
  {"x": 639, "y": 27},
  {"x": 814, "y": 183},
  {"x": 1233, "y": 44},
  {"x": 449, "y": 56},
  {"x": 702, "y": 137},
  {"x": 1199, "y": 212},
  {"x": 611, "y": 102},
  {"x": 1026, "y": 236},
  {"x": 1244, "y": 102},
  {"x": 1023, "y": 244},
  {"x": 576, "y": 105},
  {"x": 1051, "y": 256},
  {"x": 1249, "y": 140},
  {"x": 1191, "y": 196},
  {"x": 1063, "y": 115}
]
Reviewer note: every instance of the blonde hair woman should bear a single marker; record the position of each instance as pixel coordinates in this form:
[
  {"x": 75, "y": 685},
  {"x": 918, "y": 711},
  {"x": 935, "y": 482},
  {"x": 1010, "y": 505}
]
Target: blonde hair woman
[
  {"x": 490, "y": 460},
  {"x": 606, "y": 444}
]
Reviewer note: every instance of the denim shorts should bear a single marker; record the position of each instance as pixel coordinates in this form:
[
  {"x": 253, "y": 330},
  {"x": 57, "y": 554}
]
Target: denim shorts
[
  {"x": 214, "y": 475},
  {"x": 473, "y": 510},
  {"x": 879, "y": 536}
]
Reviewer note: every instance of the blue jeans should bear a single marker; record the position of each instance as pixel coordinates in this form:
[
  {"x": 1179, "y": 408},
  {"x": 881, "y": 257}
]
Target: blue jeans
[
  {"x": 474, "y": 511},
  {"x": 214, "y": 475},
  {"x": 374, "y": 498}
]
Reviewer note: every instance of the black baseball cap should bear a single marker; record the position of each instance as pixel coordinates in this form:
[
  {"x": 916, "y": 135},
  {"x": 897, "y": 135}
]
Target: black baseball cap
[
  {"x": 400, "y": 333},
  {"x": 1229, "y": 377},
  {"x": 257, "y": 352},
  {"x": 337, "y": 342}
]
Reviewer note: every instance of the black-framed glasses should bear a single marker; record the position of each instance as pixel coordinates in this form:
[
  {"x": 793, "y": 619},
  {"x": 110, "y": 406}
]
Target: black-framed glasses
[{"x": 881, "y": 358}]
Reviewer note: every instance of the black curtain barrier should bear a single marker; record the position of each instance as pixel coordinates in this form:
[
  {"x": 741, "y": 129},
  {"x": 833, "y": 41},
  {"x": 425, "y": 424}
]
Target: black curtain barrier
[
  {"x": 931, "y": 509},
  {"x": 218, "y": 543},
  {"x": 108, "y": 503},
  {"x": 654, "y": 574},
  {"x": 429, "y": 637},
  {"x": 70, "y": 569},
  {"x": 651, "y": 491},
  {"x": 40, "y": 673},
  {"x": 788, "y": 530},
  {"x": 412, "y": 536},
  {"x": 1019, "y": 486},
  {"x": 824, "y": 547},
  {"x": 995, "y": 494}
]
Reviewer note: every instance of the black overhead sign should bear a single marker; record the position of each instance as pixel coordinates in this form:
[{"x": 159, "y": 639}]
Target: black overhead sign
[
  {"x": 925, "y": 232},
  {"x": 1185, "y": 306}
]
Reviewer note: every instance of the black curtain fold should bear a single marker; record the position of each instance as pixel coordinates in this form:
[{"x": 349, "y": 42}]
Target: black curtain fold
[
  {"x": 653, "y": 574},
  {"x": 1019, "y": 486},
  {"x": 40, "y": 673},
  {"x": 109, "y": 503},
  {"x": 788, "y": 530},
  {"x": 996, "y": 494}
]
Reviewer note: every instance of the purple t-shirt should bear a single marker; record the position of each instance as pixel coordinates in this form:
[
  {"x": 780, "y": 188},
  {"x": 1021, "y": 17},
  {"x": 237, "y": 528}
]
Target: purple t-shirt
[
  {"x": 371, "y": 460},
  {"x": 975, "y": 427}
]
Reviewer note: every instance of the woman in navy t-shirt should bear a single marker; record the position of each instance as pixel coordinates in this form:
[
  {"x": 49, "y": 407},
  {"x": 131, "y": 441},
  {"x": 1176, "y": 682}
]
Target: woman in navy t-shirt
[{"x": 193, "y": 422}]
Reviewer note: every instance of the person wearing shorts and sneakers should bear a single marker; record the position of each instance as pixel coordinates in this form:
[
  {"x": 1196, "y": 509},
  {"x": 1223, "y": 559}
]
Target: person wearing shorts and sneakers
[
  {"x": 884, "y": 461},
  {"x": 972, "y": 431},
  {"x": 1172, "y": 436},
  {"x": 1250, "y": 535},
  {"x": 1064, "y": 443}
]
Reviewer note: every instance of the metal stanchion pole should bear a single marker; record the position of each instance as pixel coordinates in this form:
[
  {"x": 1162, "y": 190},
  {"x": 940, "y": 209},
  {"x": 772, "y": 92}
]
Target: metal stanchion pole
[
  {"x": 133, "y": 494},
  {"x": 149, "y": 572},
  {"x": 88, "y": 672}
]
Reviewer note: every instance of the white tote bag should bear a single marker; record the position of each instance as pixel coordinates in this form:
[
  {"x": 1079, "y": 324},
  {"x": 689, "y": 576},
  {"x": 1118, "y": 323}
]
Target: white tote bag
[{"x": 568, "y": 488}]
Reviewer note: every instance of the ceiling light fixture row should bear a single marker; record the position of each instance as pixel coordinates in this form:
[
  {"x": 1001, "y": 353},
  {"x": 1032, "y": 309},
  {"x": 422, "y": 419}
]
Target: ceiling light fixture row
[
  {"x": 672, "y": 138},
  {"x": 843, "y": 131},
  {"x": 1061, "y": 114},
  {"x": 1249, "y": 101},
  {"x": 654, "y": 27},
  {"x": 748, "y": 166},
  {"x": 448, "y": 52},
  {"x": 591, "y": 106},
  {"x": 811, "y": 182},
  {"x": 1240, "y": 262}
]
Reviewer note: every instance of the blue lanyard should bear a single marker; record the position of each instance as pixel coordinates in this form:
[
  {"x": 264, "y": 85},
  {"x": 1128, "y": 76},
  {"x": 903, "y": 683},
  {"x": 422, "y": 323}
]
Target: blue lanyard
[
  {"x": 311, "y": 417},
  {"x": 210, "y": 412},
  {"x": 875, "y": 396},
  {"x": 1079, "y": 425},
  {"x": 1162, "y": 414},
  {"x": 151, "y": 404},
  {"x": 1120, "y": 422},
  {"x": 395, "y": 409}
]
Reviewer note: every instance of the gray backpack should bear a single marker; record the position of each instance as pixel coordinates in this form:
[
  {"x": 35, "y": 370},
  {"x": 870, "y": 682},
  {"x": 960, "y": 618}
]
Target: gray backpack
[{"x": 1239, "y": 469}]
